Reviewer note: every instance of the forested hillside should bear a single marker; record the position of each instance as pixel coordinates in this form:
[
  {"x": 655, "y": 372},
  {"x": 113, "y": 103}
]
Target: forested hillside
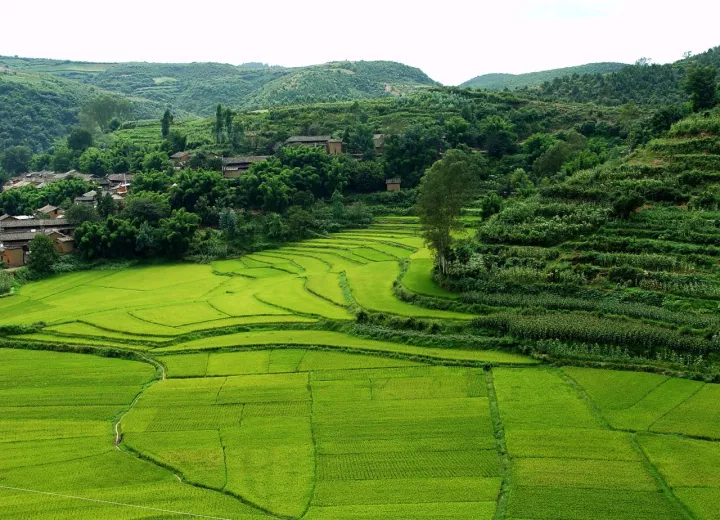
[
  {"x": 642, "y": 83},
  {"x": 36, "y": 109},
  {"x": 199, "y": 87},
  {"x": 531, "y": 79}
]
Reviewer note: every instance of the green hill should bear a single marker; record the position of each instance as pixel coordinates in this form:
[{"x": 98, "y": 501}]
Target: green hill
[
  {"x": 641, "y": 83},
  {"x": 531, "y": 79},
  {"x": 199, "y": 87},
  {"x": 35, "y": 109}
]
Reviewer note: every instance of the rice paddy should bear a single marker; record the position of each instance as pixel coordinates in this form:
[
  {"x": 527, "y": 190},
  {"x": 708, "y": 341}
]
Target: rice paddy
[{"x": 246, "y": 392}]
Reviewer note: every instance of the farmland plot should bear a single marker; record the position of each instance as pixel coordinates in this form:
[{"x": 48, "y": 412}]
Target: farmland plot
[{"x": 557, "y": 469}]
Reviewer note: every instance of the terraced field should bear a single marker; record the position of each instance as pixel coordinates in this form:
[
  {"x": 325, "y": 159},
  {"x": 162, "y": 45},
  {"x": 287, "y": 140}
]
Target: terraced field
[{"x": 249, "y": 390}]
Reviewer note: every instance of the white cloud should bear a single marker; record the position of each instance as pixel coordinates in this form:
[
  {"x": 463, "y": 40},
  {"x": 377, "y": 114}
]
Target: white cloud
[{"x": 452, "y": 40}]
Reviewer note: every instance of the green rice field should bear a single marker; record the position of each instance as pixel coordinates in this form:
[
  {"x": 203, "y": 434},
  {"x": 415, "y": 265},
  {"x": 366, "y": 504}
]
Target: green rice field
[{"x": 249, "y": 389}]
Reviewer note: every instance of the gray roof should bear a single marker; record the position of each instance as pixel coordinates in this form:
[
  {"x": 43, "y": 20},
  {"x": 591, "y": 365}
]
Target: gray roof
[
  {"x": 179, "y": 155},
  {"x": 17, "y": 237},
  {"x": 47, "y": 209},
  {"x": 120, "y": 177},
  {"x": 394, "y": 180},
  {"x": 309, "y": 139},
  {"x": 34, "y": 223}
]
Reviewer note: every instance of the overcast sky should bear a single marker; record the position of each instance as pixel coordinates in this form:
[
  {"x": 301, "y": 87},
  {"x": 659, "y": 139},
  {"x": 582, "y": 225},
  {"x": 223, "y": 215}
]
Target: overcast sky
[{"x": 451, "y": 40}]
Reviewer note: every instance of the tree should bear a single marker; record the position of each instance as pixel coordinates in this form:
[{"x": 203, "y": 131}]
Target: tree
[
  {"x": 175, "y": 233},
  {"x": 408, "y": 155},
  {"x": 624, "y": 204},
  {"x": 152, "y": 181},
  {"x": 361, "y": 140},
  {"x": 94, "y": 162},
  {"x": 102, "y": 109},
  {"x": 228, "y": 222},
  {"x": 700, "y": 83},
  {"x": 498, "y": 136},
  {"x": 155, "y": 162},
  {"x": 43, "y": 255},
  {"x": 62, "y": 159},
  {"x": 147, "y": 206},
  {"x": 80, "y": 213},
  {"x": 338, "y": 208},
  {"x": 165, "y": 122},
  {"x": 444, "y": 189},
  {"x": 16, "y": 159},
  {"x": 79, "y": 140},
  {"x": 218, "y": 125},
  {"x": 106, "y": 205},
  {"x": 367, "y": 177}
]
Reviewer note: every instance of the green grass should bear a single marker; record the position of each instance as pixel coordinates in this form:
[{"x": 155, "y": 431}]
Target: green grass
[
  {"x": 698, "y": 414},
  {"x": 418, "y": 277},
  {"x": 371, "y": 287}
]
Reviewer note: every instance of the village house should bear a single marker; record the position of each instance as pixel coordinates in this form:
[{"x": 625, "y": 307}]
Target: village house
[
  {"x": 393, "y": 184},
  {"x": 234, "y": 167},
  {"x": 49, "y": 211},
  {"x": 87, "y": 198},
  {"x": 15, "y": 246},
  {"x": 180, "y": 159},
  {"x": 332, "y": 146}
]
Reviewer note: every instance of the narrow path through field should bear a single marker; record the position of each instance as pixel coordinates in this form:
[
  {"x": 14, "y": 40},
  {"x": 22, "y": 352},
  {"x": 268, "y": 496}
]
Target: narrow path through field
[{"x": 499, "y": 430}]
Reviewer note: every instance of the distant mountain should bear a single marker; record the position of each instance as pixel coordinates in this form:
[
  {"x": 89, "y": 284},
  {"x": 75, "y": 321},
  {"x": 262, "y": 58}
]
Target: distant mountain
[
  {"x": 199, "y": 87},
  {"x": 515, "y": 81}
]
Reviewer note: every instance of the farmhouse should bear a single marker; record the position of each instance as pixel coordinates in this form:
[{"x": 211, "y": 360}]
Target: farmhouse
[
  {"x": 332, "y": 146},
  {"x": 234, "y": 167},
  {"x": 50, "y": 211},
  {"x": 393, "y": 184},
  {"x": 180, "y": 159},
  {"x": 87, "y": 198},
  {"x": 15, "y": 246},
  {"x": 379, "y": 141}
]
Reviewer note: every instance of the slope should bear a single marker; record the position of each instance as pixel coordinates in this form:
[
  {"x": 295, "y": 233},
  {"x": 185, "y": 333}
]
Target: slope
[{"x": 531, "y": 79}]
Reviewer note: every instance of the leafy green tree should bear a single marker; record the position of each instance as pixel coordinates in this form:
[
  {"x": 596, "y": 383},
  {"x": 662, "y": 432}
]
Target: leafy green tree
[
  {"x": 217, "y": 128},
  {"x": 229, "y": 222},
  {"x": 701, "y": 84},
  {"x": 459, "y": 131},
  {"x": 491, "y": 205},
  {"x": 106, "y": 206},
  {"x": 16, "y": 159},
  {"x": 360, "y": 139},
  {"x": 43, "y": 255},
  {"x": 156, "y": 162},
  {"x": 146, "y": 242},
  {"x": 367, "y": 177},
  {"x": 175, "y": 233},
  {"x": 176, "y": 142},
  {"x": 408, "y": 155},
  {"x": 152, "y": 181},
  {"x": 147, "y": 206},
  {"x": 94, "y": 162},
  {"x": 338, "y": 208},
  {"x": 6, "y": 282},
  {"x": 101, "y": 110},
  {"x": 62, "y": 159},
  {"x": 444, "y": 189},
  {"x": 552, "y": 159},
  {"x": 79, "y": 140},
  {"x": 78, "y": 214},
  {"x": 498, "y": 136},
  {"x": 165, "y": 122},
  {"x": 624, "y": 204}
]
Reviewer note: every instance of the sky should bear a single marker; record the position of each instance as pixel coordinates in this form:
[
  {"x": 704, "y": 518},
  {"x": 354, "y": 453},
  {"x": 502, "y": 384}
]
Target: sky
[{"x": 450, "y": 40}]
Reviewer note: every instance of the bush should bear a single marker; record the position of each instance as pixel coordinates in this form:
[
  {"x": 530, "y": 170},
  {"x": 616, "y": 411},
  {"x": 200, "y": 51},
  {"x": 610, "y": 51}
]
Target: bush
[{"x": 6, "y": 282}]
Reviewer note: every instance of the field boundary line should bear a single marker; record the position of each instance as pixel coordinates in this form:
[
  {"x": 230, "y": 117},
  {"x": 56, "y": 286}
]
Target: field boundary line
[
  {"x": 500, "y": 447},
  {"x": 582, "y": 394},
  {"x": 99, "y": 501},
  {"x": 662, "y": 485},
  {"x": 677, "y": 406},
  {"x": 305, "y": 286},
  {"x": 315, "y": 446}
]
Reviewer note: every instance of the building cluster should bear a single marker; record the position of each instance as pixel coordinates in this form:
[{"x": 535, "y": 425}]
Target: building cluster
[{"x": 17, "y": 231}]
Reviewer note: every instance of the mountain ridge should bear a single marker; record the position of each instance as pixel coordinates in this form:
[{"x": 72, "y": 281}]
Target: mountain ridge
[{"x": 500, "y": 81}]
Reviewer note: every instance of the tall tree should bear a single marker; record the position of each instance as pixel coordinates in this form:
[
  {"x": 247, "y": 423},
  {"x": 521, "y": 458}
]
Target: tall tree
[
  {"x": 444, "y": 189},
  {"x": 700, "y": 83},
  {"x": 43, "y": 255},
  {"x": 219, "y": 122},
  {"x": 165, "y": 122},
  {"x": 16, "y": 159},
  {"x": 79, "y": 140},
  {"x": 102, "y": 109}
]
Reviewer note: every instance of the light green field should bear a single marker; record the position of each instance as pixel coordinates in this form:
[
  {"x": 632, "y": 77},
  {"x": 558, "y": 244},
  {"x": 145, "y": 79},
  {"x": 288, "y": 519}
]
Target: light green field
[{"x": 246, "y": 401}]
